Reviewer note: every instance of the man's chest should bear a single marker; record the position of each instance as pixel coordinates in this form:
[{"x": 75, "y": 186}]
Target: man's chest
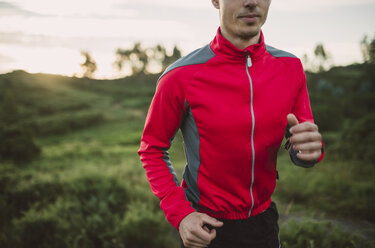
[{"x": 233, "y": 97}]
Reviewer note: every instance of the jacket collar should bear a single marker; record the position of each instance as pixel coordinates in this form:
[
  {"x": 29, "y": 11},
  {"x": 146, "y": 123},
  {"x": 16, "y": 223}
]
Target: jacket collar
[{"x": 226, "y": 48}]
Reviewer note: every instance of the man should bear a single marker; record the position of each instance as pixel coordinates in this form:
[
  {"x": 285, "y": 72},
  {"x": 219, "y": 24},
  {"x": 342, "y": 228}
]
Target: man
[{"x": 233, "y": 100}]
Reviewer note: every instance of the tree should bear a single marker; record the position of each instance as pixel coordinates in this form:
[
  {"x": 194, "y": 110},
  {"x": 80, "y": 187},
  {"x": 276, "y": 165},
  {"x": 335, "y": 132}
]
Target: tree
[
  {"x": 368, "y": 49},
  {"x": 166, "y": 59},
  {"x": 145, "y": 60},
  {"x": 368, "y": 53},
  {"x": 307, "y": 62},
  {"x": 89, "y": 65},
  {"x": 322, "y": 57},
  {"x": 365, "y": 49},
  {"x": 372, "y": 51},
  {"x": 136, "y": 58}
]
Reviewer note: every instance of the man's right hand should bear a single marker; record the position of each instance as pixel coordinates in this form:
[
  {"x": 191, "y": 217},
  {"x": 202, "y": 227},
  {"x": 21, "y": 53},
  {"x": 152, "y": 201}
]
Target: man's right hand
[{"x": 194, "y": 233}]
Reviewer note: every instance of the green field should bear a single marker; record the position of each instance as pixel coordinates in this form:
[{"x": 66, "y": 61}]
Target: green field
[{"x": 86, "y": 186}]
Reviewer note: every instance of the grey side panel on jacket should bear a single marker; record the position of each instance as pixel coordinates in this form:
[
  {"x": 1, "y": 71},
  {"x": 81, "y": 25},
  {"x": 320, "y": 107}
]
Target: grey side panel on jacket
[
  {"x": 192, "y": 146},
  {"x": 199, "y": 56},
  {"x": 169, "y": 163},
  {"x": 278, "y": 53}
]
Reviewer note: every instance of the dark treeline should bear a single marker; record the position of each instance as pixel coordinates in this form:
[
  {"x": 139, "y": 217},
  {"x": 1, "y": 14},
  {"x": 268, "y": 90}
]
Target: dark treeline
[
  {"x": 151, "y": 60},
  {"x": 343, "y": 100}
]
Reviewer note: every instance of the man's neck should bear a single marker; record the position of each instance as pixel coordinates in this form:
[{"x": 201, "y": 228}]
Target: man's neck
[{"x": 239, "y": 42}]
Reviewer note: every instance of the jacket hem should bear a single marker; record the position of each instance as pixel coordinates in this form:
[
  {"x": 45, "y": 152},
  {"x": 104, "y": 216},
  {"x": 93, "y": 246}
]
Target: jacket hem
[{"x": 237, "y": 215}]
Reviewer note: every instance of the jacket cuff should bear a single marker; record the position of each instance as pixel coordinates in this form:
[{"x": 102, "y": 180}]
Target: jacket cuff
[
  {"x": 182, "y": 213},
  {"x": 322, "y": 155},
  {"x": 297, "y": 161}
]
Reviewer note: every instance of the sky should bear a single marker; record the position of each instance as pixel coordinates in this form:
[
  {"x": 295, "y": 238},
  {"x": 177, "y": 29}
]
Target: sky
[{"x": 48, "y": 35}]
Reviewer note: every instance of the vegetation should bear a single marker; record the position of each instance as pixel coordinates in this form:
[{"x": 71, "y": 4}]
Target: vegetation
[
  {"x": 311, "y": 234},
  {"x": 70, "y": 175},
  {"x": 89, "y": 65},
  {"x": 145, "y": 60}
]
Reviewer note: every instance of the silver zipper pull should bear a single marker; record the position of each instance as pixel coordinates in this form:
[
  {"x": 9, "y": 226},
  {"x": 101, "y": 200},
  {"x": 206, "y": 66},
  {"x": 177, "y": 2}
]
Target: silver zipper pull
[{"x": 248, "y": 61}]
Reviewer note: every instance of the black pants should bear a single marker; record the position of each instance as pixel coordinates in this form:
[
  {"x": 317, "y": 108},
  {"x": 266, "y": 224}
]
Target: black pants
[{"x": 260, "y": 231}]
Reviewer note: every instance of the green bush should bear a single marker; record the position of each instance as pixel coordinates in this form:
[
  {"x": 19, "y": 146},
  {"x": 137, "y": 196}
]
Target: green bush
[
  {"x": 67, "y": 223},
  {"x": 143, "y": 227},
  {"x": 58, "y": 125},
  {"x": 40, "y": 229},
  {"x": 23, "y": 196},
  {"x": 55, "y": 107},
  {"x": 94, "y": 211},
  {"x": 17, "y": 144},
  {"x": 358, "y": 139},
  {"x": 314, "y": 234},
  {"x": 337, "y": 188},
  {"x": 77, "y": 212},
  {"x": 327, "y": 117},
  {"x": 97, "y": 188}
]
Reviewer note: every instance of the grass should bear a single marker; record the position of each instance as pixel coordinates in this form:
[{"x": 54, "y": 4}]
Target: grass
[
  {"x": 88, "y": 187},
  {"x": 336, "y": 188}
]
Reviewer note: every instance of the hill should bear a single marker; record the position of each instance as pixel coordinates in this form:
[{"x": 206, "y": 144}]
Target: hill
[{"x": 87, "y": 188}]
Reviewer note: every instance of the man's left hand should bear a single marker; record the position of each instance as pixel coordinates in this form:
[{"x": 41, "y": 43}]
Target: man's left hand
[{"x": 305, "y": 138}]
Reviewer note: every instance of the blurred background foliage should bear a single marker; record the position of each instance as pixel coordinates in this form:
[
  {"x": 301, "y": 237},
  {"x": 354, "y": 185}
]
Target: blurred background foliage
[{"x": 70, "y": 174}]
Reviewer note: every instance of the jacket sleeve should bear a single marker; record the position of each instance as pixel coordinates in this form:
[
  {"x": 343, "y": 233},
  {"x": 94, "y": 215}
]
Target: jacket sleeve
[
  {"x": 302, "y": 110},
  {"x": 162, "y": 122}
]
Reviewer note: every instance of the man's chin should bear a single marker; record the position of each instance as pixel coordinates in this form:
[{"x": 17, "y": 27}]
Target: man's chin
[{"x": 248, "y": 34}]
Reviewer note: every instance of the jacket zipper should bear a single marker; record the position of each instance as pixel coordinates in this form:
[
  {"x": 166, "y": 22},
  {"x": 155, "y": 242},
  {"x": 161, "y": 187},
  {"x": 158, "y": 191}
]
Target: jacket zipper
[{"x": 248, "y": 65}]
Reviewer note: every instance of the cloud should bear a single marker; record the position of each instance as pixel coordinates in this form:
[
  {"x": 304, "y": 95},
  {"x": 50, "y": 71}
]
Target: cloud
[
  {"x": 4, "y": 59},
  {"x": 9, "y": 9},
  {"x": 51, "y": 60},
  {"x": 316, "y": 5},
  {"x": 76, "y": 8},
  {"x": 31, "y": 41},
  {"x": 22, "y": 39},
  {"x": 191, "y": 4},
  {"x": 91, "y": 27},
  {"x": 106, "y": 9}
]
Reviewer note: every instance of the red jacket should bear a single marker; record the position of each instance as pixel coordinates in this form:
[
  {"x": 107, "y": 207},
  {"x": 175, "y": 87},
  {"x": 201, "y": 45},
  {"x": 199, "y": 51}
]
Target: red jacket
[{"x": 231, "y": 106}]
